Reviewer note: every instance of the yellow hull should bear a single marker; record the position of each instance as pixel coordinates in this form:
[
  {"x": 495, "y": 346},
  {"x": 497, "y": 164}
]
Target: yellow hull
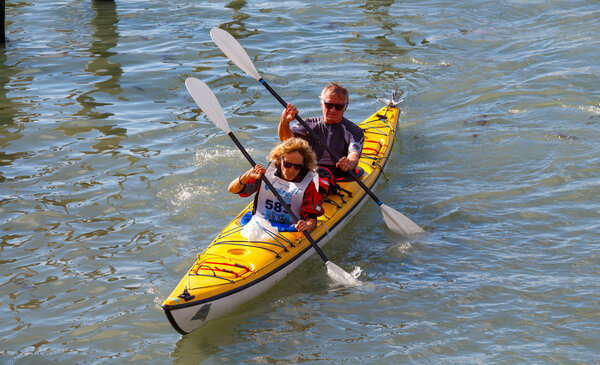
[{"x": 233, "y": 270}]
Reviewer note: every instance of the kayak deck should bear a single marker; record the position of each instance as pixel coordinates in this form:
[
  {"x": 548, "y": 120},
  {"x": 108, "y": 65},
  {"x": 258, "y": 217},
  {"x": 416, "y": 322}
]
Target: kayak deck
[{"x": 233, "y": 270}]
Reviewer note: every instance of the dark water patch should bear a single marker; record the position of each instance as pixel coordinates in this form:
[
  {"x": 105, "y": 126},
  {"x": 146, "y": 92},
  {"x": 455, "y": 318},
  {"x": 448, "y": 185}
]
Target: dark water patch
[
  {"x": 479, "y": 120},
  {"x": 564, "y": 137}
]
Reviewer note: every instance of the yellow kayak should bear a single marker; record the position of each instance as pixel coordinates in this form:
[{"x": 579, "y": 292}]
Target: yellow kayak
[{"x": 233, "y": 270}]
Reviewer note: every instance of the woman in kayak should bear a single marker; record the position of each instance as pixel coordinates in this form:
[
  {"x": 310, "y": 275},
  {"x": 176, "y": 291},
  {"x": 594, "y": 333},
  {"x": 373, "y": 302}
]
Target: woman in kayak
[{"x": 291, "y": 171}]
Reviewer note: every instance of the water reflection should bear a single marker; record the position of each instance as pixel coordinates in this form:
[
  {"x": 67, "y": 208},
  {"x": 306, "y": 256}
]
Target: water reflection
[
  {"x": 7, "y": 108},
  {"x": 236, "y": 27},
  {"x": 9, "y": 130},
  {"x": 204, "y": 343},
  {"x": 106, "y": 37},
  {"x": 379, "y": 10},
  {"x": 386, "y": 47},
  {"x": 109, "y": 73}
]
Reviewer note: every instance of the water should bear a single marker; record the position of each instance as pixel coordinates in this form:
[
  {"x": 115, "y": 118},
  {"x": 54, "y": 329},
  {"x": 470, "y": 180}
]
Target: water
[{"x": 111, "y": 180}]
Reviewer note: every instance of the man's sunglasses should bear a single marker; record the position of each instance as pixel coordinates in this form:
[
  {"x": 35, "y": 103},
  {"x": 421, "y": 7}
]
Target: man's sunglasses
[
  {"x": 287, "y": 165},
  {"x": 333, "y": 105}
]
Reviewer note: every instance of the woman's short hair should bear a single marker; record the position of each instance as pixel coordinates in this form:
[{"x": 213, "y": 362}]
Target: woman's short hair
[{"x": 292, "y": 145}]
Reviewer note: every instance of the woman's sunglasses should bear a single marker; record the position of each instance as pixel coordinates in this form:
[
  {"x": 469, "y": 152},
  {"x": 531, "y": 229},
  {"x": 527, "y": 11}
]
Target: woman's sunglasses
[
  {"x": 333, "y": 105},
  {"x": 287, "y": 165}
]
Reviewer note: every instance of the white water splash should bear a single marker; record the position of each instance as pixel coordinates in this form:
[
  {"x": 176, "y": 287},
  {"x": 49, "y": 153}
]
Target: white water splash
[
  {"x": 211, "y": 157},
  {"x": 339, "y": 275},
  {"x": 404, "y": 247}
]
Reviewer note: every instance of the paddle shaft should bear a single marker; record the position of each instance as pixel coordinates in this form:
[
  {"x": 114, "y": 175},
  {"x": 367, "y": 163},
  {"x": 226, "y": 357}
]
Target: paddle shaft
[
  {"x": 316, "y": 136},
  {"x": 283, "y": 203}
]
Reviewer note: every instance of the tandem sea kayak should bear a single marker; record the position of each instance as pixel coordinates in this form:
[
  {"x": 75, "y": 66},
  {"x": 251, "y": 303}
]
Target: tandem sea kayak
[{"x": 233, "y": 270}]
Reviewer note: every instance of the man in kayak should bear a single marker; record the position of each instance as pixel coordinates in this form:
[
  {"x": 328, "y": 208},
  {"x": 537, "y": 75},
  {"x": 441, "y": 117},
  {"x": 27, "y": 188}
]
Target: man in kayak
[
  {"x": 341, "y": 135},
  {"x": 291, "y": 171}
]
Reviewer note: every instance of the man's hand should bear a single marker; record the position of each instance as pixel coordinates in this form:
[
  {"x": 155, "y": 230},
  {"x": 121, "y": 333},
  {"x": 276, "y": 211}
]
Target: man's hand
[
  {"x": 348, "y": 163},
  {"x": 283, "y": 130}
]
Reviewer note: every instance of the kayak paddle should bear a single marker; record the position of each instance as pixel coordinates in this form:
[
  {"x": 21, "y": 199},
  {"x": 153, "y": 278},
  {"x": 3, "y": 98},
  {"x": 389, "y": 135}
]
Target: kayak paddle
[
  {"x": 207, "y": 101},
  {"x": 395, "y": 220}
]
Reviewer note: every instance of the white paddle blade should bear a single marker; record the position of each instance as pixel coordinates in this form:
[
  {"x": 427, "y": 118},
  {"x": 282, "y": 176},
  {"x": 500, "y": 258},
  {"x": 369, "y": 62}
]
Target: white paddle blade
[
  {"x": 234, "y": 51},
  {"x": 398, "y": 222},
  {"x": 207, "y": 101},
  {"x": 339, "y": 275}
]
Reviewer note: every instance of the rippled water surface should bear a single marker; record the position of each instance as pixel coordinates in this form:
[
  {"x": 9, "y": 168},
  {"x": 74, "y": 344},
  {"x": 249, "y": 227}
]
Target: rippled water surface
[{"x": 112, "y": 180}]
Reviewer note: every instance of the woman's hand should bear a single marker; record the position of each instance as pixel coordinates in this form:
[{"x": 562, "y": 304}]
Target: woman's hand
[
  {"x": 254, "y": 173},
  {"x": 306, "y": 225},
  {"x": 237, "y": 185}
]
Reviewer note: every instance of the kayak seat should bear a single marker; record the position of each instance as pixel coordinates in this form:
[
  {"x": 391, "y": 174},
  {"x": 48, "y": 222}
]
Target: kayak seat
[{"x": 280, "y": 226}]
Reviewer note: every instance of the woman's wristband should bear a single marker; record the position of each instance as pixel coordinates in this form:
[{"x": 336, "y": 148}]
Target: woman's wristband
[{"x": 240, "y": 180}]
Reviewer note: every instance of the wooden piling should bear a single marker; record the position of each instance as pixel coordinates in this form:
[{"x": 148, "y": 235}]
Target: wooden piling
[{"x": 2, "y": 21}]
